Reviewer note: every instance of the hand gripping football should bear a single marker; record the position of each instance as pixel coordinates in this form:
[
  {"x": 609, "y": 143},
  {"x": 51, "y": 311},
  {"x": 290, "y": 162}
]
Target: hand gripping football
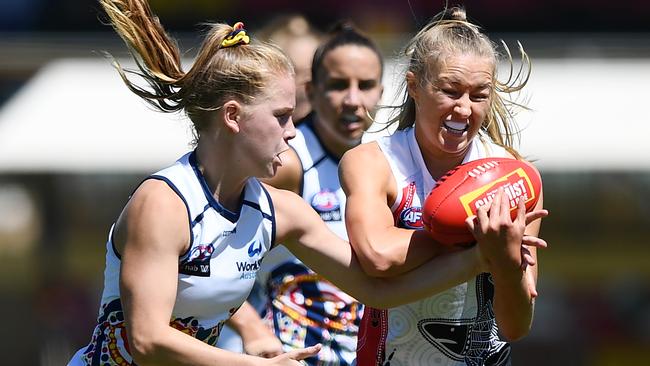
[{"x": 458, "y": 194}]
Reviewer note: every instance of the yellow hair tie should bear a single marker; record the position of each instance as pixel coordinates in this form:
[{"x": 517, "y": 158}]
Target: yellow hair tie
[{"x": 237, "y": 36}]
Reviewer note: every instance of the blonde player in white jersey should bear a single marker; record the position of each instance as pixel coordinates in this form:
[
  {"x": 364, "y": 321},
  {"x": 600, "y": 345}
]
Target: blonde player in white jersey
[
  {"x": 452, "y": 113},
  {"x": 300, "y": 306},
  {"x": 183, "y": 254}
]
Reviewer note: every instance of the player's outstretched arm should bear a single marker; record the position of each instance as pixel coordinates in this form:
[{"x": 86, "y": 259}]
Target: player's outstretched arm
[{"x": 304, "y": 233}]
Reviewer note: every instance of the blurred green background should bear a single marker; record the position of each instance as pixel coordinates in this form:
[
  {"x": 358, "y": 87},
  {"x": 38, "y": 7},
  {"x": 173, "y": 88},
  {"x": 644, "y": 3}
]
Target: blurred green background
[{"x": 62, "y": 184}]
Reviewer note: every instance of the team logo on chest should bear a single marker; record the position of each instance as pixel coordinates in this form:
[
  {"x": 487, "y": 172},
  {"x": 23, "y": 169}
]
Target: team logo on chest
[
  {"x": 254, "y": 249},
  {"x": 411, "y": 218},
  {"x": 248, "y": 269},
  {"x": 198, "y": 262},
  {"x": 327, "y": 205},
  {"x": 407, "y": 215}
]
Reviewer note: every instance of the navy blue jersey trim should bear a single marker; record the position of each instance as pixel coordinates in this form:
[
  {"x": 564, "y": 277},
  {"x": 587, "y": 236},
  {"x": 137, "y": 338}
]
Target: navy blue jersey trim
[
  {"x": 272, "y": 218},
  {"x": 308, "y": 126},
  {"x": 322, "y": 159},
  {"x": 187, "y": 207},
  {"x": 227, "y": 214},
  {"x": 199, "y": 217},
  {"x": 256, "y": 206}
]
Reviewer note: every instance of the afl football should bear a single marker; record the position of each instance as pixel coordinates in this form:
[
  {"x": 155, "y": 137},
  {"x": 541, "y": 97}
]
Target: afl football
[{"x": 459, "y": 193}]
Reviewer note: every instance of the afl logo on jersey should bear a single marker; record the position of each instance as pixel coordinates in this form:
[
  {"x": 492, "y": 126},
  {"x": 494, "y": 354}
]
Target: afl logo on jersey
[
  {"x": 198, "y": 262},
  {"x": 327, "y": 205},
  {"x": 411, "y": 218}
]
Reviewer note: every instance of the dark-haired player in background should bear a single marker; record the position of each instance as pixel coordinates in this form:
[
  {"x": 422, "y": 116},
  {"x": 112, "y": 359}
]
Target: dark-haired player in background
[{"x": 345, "y": 87}]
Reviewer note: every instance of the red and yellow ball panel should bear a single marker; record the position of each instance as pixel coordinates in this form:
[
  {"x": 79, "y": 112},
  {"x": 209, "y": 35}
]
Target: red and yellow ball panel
[{"x": 459, "y": 193}]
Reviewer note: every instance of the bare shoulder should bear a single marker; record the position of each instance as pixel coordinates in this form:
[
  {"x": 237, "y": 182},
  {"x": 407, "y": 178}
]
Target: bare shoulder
[
  {"x": 154, "y": 194},
  {"x": 155, "y": 214},
  {"x": 363, "y": 153},
  {"x": 277, "y": 193},
  {"x": 364, "y": 165}
]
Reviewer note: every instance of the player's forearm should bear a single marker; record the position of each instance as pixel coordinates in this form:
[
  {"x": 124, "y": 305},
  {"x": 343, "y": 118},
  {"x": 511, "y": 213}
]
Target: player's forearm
[
  {"x": 248, "y": 324},
  {"x": 171, "y": 347},
  {"x": 433, "y": 277},
  {"x": 513, "y": 304},
  {"x": 394, "y": 251}
]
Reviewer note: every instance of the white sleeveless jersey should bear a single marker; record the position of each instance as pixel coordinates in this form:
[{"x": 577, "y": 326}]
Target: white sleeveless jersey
[
  {"x": 454, "y": 327},
  {"x": 304, "y": 308},
  {"x": 215, "y": 274}
]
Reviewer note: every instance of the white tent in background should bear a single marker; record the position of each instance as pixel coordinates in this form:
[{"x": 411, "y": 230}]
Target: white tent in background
[
  {"x": 586, "y": 114},
  {"x": 77, "y": 116}
]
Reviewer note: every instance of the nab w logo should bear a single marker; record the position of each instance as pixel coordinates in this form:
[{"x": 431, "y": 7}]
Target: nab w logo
[
  {"x": 198, "y": 262},
  {"x": 253, "y": 250}
]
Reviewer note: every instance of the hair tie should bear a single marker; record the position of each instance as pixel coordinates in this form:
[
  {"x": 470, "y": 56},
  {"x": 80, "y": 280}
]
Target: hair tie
[{"x": 236, "y": 37}]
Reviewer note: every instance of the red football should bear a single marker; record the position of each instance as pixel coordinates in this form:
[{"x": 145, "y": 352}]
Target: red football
[{"x": 458, "y": 194}]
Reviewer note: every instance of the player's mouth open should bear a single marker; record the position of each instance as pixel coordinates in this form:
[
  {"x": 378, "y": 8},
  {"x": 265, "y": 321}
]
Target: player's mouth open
[{"x": 456, "y": 127}]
